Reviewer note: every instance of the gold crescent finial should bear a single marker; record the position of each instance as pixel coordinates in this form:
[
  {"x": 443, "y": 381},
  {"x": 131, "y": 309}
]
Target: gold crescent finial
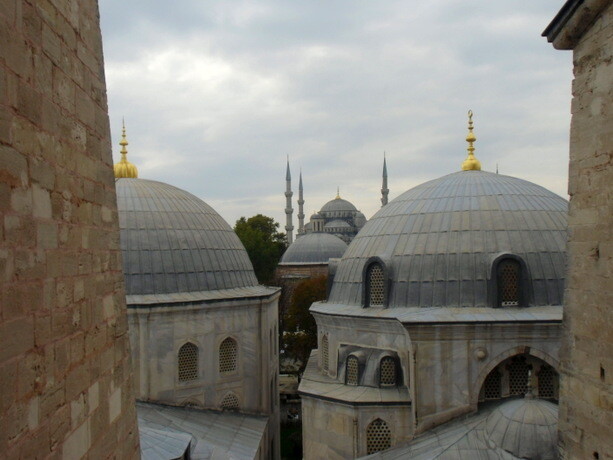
[
  {"x": 338, "y": 194},
  {"x": 471, "y": 163},
  {"x": 124, "y": 168}
]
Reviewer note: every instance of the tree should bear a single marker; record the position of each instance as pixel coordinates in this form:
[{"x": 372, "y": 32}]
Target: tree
[
  {"x": 264, "y": 244},
  {"x": 301, "y": 330}
]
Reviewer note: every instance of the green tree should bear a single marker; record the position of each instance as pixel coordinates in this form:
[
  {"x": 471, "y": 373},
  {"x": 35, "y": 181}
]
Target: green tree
[
  {"x": 264, "y": 244},
  {"x": 301, "y": 330}
]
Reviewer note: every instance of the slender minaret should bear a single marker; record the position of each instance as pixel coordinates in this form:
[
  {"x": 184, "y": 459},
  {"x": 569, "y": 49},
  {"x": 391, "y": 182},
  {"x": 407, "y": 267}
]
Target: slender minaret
[
  {"x": 300, "y": 206},
  {"x": 289, "y": 228},
  {"x": 384, "y": 190}
]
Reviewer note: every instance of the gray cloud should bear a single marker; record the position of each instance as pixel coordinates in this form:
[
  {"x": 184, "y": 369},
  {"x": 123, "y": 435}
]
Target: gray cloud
[{"x": 216, "y": 94}]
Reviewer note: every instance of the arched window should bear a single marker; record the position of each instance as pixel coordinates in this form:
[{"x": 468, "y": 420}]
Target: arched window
[
  {"x": 387, "y": 371},
  {"x": 546, "y": 378},
  {"x": 378, "y": 436},
  {"x": 324, "y": 353},
  {"x": 375, "y": 292},
  {"x": 492, "y": 385},
  {"x": 227, "y": 356},
  {"x": 187, "y": 361},
  {"x": 508, "y": 274},
  {"x": 229, "y": 402},
  {"x": 518, "y": 375},
  {"x": 352, "y": 375}
]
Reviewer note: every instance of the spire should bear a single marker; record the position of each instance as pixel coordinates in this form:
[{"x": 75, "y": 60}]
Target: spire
[
  {"x": 384, "y": 190},
  {"x": 300, "y": 206},
  {"x": 338, "y": 193},
  {"x": 471, "y": 163},
  {"x": 124, "y": 168},
  {"x": 289, "y": 211}
]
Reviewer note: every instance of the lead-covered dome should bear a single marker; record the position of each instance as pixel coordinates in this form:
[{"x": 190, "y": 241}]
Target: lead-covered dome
[
  {"x": 173, "y": 242},
  {"x": 314, "y": 248},
  {"x": 338, "y": 204},
  {"x": 438, "y": 244}
]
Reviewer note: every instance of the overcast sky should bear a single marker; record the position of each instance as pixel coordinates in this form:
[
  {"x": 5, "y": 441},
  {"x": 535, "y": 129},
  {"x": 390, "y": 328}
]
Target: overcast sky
[{"x": 216, "y": 94}]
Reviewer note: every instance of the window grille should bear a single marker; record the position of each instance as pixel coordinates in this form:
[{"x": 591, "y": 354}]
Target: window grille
[
  {"x": 388, "y": 371},
  {"x": 374, "y": 280},
  {"x": 188, "y": 362},
  {"x": 227, "y": 356},
  {"x": 378, "y": 436},
  {"x": 518, "y": 376},
  {"x": 546, "y": 378},
  {"x": 352, "y": 371},
  {"x": 508, "y": 282},
  {"x": 324, "y": 353},
  {"x": 492, "y": 385},
  {"x": 230, "y": 402}
]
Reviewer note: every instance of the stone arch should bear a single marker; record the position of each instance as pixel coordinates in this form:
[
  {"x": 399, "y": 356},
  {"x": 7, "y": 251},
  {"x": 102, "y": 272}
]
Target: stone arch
[{"x": 498, "y": 359}]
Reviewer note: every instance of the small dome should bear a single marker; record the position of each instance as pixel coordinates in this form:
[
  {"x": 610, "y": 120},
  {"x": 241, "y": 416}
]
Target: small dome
[
  {"x": 314, "y": 248},
  {"x": 526, "y": 428},
  {"x": 338, "y": 205},
  {"x": 441, "y": 238},
  {"x": 174, "y": 242},
  {"x": 337, "y": 223},
  {"x": 316, "y": 216}
]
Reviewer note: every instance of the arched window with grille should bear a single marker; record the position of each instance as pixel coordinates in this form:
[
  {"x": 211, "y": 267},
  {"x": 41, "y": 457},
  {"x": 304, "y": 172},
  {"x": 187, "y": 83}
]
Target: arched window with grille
[
  {"x": 518, "y": 375},
  {"x": 492, "y": 388},
  {"x": 375, "y": 285},
  {"x": 508, "y": 273},
  {"x": 378, "y": 436},
  {"x": 187, "y": 362},
  {"x": 230, "y": 402},
  {"x": 324, "y": 353},
  {"x": 547, "y": 378},
  {"x": 352, "y": 371},
  {"x": 388, "y": 372},
  {"x": 228, "y": 356}
]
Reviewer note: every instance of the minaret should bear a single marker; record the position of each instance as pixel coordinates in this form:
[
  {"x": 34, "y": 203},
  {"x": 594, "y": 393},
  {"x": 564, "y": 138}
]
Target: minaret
[
  {"x": 124, "y": 168},
  {"x": 384, "y": 190},
  {"x": 471, "y": 163},
  {"x": 289, "y": 228},
  {"x": 300, "y": 206}
]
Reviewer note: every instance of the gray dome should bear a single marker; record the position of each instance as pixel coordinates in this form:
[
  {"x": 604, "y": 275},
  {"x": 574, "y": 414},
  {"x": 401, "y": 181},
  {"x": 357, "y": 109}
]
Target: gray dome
[
  {"x": 174, "y": 242},
  {"x": 314, "y": 248},
  {"x": 439, "y": 241},
  {"x": 526, "y": 428},
  {"x": 337, "y": 223},
  {"x": 338, "y": 205}
]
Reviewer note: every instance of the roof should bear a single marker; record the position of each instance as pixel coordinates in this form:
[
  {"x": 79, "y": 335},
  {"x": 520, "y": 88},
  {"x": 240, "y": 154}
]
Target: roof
[
  {"x": 173, "y": 242},
  {"x": 337, "y": 223},
  {"x": 338, "y": 204},
  {"x": 313, "y": 248},
  {"x": 214, "y": 435},
  {"x": 482, "y": 435},
  {"x": 572, "y": 21},
  {"x": 439, "y": 240}
]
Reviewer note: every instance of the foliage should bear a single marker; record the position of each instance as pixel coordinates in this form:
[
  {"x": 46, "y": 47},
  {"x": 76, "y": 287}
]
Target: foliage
[
  {"x": 301, "y": 331},
  {"x": 264, "y": 244}
]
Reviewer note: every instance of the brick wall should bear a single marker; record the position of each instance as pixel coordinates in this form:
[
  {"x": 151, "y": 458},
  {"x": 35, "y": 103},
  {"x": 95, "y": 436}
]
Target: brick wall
[
  {"x": 586, "y": 399},
  {"x": 65, "y": 376}
]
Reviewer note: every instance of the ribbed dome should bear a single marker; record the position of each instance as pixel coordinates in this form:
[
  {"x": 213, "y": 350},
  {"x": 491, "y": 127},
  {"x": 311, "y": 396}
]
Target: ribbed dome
[
  {"x": 174, "y": 242},
  {"x": 314, "y": 248},
  {"x": 439, "y": 241},
  {"x": 338, "y": 205},
  {"x": 526, "y": 428}
]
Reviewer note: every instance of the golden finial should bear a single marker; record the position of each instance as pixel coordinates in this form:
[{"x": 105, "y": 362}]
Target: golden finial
[
  {"x": 124, "y": 168},
  {"x": 338, "y": 194},
  {"x": 471, "y": 163}
]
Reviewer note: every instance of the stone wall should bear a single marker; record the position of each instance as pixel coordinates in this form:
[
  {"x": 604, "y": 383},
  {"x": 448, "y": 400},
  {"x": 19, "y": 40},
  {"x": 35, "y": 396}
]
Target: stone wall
[
  {"x": 586, "y": 399},
  {"x": 65, "y": 373}
]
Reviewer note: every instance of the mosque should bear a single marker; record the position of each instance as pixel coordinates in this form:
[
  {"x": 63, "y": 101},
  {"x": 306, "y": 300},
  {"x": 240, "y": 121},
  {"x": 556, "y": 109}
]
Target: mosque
[
  {"x": 203, "y": 333},
  {"x": 444, "y": 312}
]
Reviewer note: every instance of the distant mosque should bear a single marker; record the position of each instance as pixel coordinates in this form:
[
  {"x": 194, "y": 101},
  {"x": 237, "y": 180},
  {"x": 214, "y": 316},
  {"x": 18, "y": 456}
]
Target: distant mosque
[{"x": 338, "y": 217}]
